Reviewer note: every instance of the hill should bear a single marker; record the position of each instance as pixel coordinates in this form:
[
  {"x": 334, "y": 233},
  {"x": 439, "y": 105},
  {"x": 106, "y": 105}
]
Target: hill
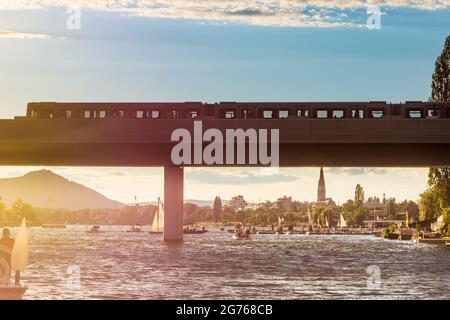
[{"x": 46, "y": 189}]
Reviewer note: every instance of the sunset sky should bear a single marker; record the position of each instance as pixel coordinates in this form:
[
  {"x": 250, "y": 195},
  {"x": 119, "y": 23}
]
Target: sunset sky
[{"x": 185, "y": 50}]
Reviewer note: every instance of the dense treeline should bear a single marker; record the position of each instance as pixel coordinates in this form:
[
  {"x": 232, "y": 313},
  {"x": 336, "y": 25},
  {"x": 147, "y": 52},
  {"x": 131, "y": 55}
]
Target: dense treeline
[{"x": 236, "y": 210}]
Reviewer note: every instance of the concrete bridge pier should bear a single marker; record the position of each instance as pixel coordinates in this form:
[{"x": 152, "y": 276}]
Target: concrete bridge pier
[{"x": 173, "y": 203}]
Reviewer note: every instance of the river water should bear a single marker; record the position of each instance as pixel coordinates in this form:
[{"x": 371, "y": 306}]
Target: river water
[{"x": 70, "y": 264}]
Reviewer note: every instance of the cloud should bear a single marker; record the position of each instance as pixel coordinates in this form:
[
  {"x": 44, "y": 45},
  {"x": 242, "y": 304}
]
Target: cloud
[
  {"x": 236, "y": 177},
  {"x": 356, "y": 171},
  {"x": 8, "y": 34},
  {"x": 282, "y": 13}
]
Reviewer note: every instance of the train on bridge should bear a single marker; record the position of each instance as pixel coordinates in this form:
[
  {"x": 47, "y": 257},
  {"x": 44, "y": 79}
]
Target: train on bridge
[{"x": 239, "y": 110}]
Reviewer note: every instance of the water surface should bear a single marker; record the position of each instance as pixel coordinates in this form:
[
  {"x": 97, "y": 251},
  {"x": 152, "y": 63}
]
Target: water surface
[{"x": 119, "y": 265}]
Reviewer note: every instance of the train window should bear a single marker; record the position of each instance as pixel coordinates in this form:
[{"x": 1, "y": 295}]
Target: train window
[
  {"x": 154, "y": 114},
  {"x": 191, "y": 114},
  {"x": 434, "y": 113},
  {"x": 140, "y": 114},
  {"x": 247, "y": 113},
  {"x": 229, "y": 114},
  {"x": 358, "y": 114},
  {"x": 34, "y": 114},
  {"x": 267, "y": 114},
  {"x": 415, "y": 113},
  {"x": 376, "y": 114},
  {"x": 101, "y": 114},
  {"x": 302, "y": 113},
  {"x": 68, "y": 114},
  {"x": 50, "y": 115},
  {"x": 283, "y": 114},
  {"x": 322, "y": 114},
  {"x": 86, "y": 114},
  {"x": 118, "y": 114},
  {"x": 337, "y": 114},
  {"x": 172, "y": 114}
]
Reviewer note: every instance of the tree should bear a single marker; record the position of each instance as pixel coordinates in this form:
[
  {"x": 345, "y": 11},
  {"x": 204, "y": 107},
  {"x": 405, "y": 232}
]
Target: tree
[
  {"x": 189, "y": 210},
  {"x": 391, "y": 208},
  {"x": 439, "y": 181},
  {"x": 217, "y": 209},
  {"x": 21, "y": 210},
  {"x": 359, "y": 196},
  {"x": 441, "y": 77},
  {"x": 238, "y": 203},
  {"x": 359, "y": 216},
  {"x": 429, "y": 207},
  {"x": 413, "y": 211},
  {"x": 348, "y": 209}
]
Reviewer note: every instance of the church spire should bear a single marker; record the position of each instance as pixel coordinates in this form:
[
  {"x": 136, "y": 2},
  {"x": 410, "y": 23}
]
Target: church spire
[{"x": 321, "y": 191}]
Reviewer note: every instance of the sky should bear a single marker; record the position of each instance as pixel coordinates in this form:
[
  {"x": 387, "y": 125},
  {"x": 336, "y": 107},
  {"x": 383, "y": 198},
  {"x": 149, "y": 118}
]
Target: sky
[{"x": 222, "y": 50}]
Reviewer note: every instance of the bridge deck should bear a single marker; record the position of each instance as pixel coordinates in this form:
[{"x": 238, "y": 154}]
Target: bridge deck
[{"x": 390, "y": 141}]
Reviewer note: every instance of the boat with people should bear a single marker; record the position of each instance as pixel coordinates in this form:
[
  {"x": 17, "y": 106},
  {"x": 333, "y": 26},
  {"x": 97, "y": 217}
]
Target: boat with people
[
  {"x": 13, "y": 256},
  {"x": 158, "y": 219},
  {"x": 135, "y": 228},
  {"x": 195, "y": 230},
  {"x": 93, "y": 230},
  {"x": 240, "y": 233}
]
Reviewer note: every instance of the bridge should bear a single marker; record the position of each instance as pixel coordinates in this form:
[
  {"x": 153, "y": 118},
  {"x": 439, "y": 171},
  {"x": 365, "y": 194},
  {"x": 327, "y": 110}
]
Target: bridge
[{"x": 310, "y": 134}]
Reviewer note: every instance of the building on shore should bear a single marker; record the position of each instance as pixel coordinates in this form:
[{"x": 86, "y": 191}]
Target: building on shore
[{"x": 322, "y": 199}]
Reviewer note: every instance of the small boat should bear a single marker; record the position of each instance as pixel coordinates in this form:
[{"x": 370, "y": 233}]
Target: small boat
[
  {"x": 266, "y": 232},
  {"x": 194, "y": 231},
  {"x": 447, "y": 244},
  {"x": 158, "y": 219},
  {"x": 240, "y": 237},
  {"x": 135, "y": 228},
  {"x": 19, "y": 262},
  {"x": 12, "y": 292},
  {"x": 94, "y": 229},
  {"x": 392, "y": 235}
]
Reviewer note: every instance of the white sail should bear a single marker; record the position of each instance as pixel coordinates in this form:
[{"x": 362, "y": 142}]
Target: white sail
[
  {"x": 280, "y": 221},
  {"x": 342, "y": 222},
  {"x": 326, "y": 222},
  {"x": 310, "y": 221},
  {"x": 158, "y": 219},
  {"x": 19, "y": 256}
]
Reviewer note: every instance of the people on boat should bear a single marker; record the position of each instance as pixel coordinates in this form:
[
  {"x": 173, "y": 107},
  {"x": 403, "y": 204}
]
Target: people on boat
[
  {"x": 6, "y": 247},
  {"x": 94, "y": 229}
]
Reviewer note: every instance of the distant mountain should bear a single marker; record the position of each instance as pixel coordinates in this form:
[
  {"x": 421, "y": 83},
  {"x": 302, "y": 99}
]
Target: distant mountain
[
  {"x": 200, "y": 203},
  {"x": 45, "y": 189}
]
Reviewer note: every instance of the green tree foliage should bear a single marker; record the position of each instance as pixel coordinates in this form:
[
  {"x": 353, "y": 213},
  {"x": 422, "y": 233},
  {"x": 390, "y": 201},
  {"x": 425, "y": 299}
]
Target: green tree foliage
[
  {"x": 238, "y": 203},
  {"x": 217, "y": 209},
  {"x": 429, "y": 206},
  {"x": 348, "y": 209},
  {"x": 359, "y": 196},
  {"x": 19, "y": 210},
  {"x": 413, "y": 210},
  {"x": 439, "y": 181},
  {"x": 391, "y": 208},
  {"x": 441, "y": 77}
]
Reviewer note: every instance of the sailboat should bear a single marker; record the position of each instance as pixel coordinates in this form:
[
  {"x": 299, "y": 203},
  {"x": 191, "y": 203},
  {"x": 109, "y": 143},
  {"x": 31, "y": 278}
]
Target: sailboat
[
  {"x": 310, "y": 224},
  {"x": 19, "y": 262},
  {"x": 310, "y": 220},
  {"x": 280, "y": 225},
  {"x": 342, "y": 223},
  {"x": 158, "y": 219}
]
